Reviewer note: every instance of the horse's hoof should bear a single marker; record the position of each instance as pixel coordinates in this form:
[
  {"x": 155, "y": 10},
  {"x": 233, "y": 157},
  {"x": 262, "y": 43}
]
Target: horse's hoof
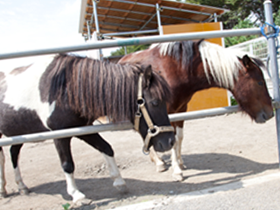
[
  {"x": 178, "y": 177},
  {"x": 77, "y": 196},
  {"x": 183, "y": 167},
  {"x": 3, "y": 194},
  {"x": 122, "y": 188},
  {"x": 161, "y": 168},
  {"x": 81, "y": 203},
  {"x": 24, "y": 191}
]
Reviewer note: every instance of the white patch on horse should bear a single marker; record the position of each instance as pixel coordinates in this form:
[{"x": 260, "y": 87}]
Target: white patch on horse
[
  {"x": 2, "y": 174},
  {"x": 72, "y": 188},
  {"x": 28, "y": 82},
  {"x": 163, "y": 47},
  {"x": 21, "y": 186},
  {"x": 119, "y": 183}
]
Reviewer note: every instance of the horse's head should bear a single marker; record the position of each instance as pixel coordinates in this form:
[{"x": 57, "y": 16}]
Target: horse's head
[
  {"x": 151, "y": 119},
  {"x": 251, "y": 92}
]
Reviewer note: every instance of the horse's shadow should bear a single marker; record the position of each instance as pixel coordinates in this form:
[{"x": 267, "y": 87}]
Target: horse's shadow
[{"x": 101, "y": 191}]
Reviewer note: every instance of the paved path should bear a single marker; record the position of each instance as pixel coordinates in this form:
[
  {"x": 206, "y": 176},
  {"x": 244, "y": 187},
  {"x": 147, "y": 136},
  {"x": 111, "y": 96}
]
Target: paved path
[{"x": 259, "y": 193}]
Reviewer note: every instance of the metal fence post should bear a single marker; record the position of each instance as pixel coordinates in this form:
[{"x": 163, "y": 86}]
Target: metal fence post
[{"x": 274, "y": 67}]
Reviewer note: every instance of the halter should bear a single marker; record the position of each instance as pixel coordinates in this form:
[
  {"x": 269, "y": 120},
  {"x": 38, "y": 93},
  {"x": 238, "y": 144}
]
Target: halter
[{"x": 153, "y": 130}]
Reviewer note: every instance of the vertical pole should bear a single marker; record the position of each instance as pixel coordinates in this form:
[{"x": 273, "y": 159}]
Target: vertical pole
[
  {"x": 88, "y": 30},
  {"x": 274, "y": 67},
  {"x": 158, "y": 19},
  {"x": 215, "y": 17},
  {"x": 94, "y": 3},
  {"x": 95, "y": 16}
]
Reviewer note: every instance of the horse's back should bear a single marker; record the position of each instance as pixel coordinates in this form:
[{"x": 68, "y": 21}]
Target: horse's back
[{"x": 21, "y": 108}]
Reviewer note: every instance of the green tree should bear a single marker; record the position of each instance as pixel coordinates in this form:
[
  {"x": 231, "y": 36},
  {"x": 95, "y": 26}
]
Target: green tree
[
  {"x": 129, "y": 49},
  {"x": 239, "y": 10},
  {"x": 229, "y": 41}
]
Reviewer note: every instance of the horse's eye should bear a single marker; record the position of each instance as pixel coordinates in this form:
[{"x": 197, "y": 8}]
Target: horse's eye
[
  {"x": 260, "y": 83},
  {"x": 155, "y": 102}
]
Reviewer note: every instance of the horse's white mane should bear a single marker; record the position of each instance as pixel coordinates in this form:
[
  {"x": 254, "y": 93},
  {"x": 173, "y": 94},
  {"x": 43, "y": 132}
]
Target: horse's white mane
[{"x": 223, "y": 63}]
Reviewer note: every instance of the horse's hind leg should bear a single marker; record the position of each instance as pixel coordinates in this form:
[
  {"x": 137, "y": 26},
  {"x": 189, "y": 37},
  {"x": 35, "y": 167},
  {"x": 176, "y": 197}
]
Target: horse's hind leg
[
  {"x": 64, "y": 152},
  {"x": 3, "y": 192},
  {"x": 15, "y": 149},
  {"x": 96, "y": 141}
]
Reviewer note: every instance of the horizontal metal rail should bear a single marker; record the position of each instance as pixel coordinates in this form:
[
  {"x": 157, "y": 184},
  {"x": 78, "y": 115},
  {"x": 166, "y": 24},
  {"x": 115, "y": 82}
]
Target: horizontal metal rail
[
  {"x": 35, "y": 137},
  {"x": 135, "y": 41},
  {"x": 131, "y": 33}
]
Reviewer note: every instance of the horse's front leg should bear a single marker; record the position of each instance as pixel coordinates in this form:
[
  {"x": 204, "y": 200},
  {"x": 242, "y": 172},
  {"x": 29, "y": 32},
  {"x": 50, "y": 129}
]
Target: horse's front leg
[
  {"x": 64, "y": 152},
  {"x": 177, "y": 162},
  {"x": 3, "y": 192},
  {"x": 96, "y": 141},
  {"x": 160, "y": 164},
  {"x": 15, "y": 149}
]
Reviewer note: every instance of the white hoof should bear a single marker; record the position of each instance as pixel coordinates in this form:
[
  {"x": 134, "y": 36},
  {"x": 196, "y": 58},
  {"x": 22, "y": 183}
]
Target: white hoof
[
  {"x": 77, "y": 196},
  {"x": 81, "y": 203},
  {"x": 178, "y": 177},
  {"x": 161, "y": 168},
  {"x": 182, "y": 166}
]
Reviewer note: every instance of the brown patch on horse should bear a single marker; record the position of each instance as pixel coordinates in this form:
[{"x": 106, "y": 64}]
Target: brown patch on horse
[{"x": 19, "y": 70}]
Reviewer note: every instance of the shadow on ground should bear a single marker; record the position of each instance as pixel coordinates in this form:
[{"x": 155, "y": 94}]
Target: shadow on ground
[{"x": 101, "y": 191}]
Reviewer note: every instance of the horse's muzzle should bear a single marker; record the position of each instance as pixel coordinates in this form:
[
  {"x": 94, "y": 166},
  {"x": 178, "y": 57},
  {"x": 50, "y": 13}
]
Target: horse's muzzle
[
  {"x": 264, "y": 116},
  {"x": 160, "y": 145}
]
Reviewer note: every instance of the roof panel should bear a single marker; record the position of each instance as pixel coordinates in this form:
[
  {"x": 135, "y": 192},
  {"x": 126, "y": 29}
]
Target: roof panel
[{"x": 133, "y": 15}]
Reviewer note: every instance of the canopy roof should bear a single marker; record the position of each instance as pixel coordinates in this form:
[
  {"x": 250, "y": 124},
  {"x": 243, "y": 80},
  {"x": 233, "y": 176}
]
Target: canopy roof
[{"x": 136, "y": 15}]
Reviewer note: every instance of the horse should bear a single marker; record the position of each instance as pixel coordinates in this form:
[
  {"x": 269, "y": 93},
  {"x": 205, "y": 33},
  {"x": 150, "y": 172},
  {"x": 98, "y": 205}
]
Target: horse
[
  {"x": 64, "y": 91},
  {"x": 191, "y": 66}
]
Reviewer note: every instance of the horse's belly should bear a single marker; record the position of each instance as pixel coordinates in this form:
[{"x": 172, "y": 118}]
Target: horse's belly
[{"x": 18, "y": 122}]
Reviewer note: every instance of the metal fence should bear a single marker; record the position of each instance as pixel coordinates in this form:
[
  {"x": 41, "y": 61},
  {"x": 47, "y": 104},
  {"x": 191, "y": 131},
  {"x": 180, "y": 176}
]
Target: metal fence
[{"x": 149, "y": 40}]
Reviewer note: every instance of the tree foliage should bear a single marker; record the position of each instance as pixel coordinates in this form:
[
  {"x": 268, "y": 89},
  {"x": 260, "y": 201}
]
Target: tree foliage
[
  {"x": 239, "y": 10},
  {"x": 129, "y": 49}
]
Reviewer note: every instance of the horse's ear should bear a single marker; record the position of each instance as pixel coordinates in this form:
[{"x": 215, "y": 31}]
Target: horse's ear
[
  {"x": 148, "y": 74},
  {"x": 246, "y": 61},
  {"x": 199, "y": 42}
]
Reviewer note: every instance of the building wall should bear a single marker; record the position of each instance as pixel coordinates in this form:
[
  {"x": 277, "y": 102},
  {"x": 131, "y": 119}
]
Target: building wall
[{"x": 213, "y": 97}]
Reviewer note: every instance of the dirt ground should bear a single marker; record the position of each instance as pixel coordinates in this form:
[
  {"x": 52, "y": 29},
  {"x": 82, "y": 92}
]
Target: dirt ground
[{"x": 216, "y": 150}]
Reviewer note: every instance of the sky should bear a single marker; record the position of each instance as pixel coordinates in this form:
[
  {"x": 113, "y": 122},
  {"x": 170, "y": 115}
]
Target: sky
[{"x": 34, "y": 24}]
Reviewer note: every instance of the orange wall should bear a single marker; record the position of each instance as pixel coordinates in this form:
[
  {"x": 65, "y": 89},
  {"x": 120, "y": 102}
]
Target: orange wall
[{"x": 205, "y": 99}]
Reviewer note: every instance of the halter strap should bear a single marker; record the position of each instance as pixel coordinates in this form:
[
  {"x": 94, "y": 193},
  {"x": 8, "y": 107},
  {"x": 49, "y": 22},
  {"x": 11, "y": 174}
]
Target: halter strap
[{"x": 153, "y": 130}]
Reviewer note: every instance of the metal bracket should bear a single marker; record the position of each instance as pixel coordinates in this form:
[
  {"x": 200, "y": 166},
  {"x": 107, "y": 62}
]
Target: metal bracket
[{"x": 276, "y": 104}]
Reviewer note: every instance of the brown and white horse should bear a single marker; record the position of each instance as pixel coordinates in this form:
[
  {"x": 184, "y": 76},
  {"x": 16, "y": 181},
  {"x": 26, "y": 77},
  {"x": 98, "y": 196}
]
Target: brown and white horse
[
  {"x": 191, "y": 66},
  {"x": 67, "y": 91}
]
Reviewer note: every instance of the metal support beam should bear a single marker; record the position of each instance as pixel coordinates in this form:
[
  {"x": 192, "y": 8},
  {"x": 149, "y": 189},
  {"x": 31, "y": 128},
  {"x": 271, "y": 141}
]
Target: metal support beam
[
  {"x": 135, "y": 41},
  {"x": 88, "y": 30},
  {"x": 159, "y": 20},
  {"x": 274, "y": 67},
  {"x": 152, "y": 17},
  {"x": 94, "y": 3},
  {"x": 131, "y": 33}
]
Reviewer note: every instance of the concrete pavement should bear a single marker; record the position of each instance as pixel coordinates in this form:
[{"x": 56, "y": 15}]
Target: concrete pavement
[{"x": 258, "y": 193}]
